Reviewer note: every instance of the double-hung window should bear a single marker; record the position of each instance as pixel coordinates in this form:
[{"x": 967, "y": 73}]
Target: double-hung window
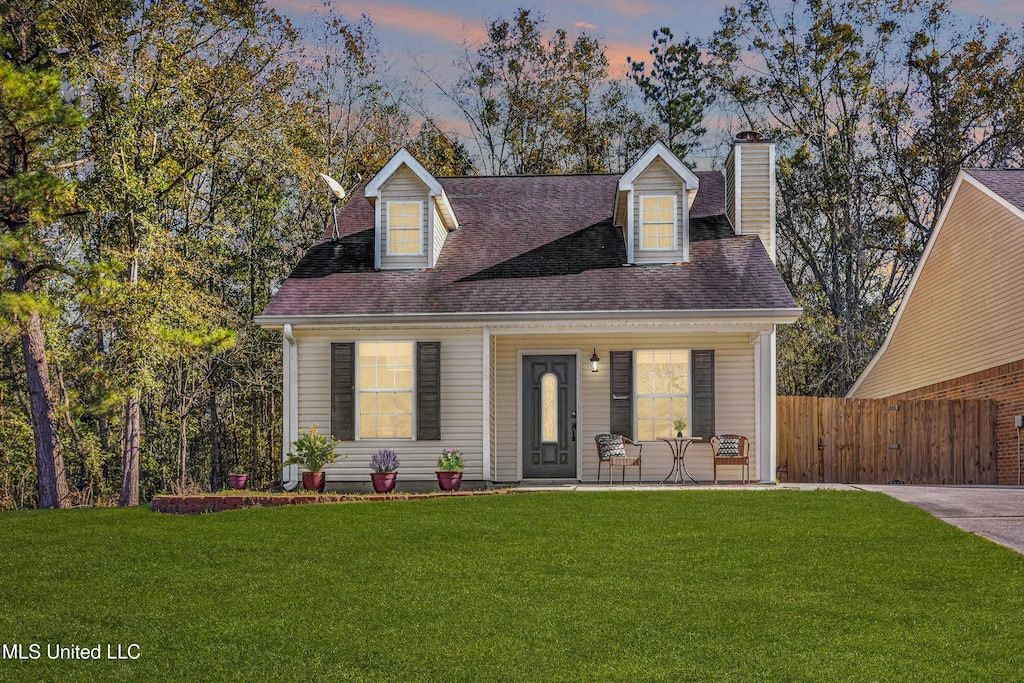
[
  {"x": 385, "y": 387},
  {"x": 662, "y": 392},
  {"x": 405, "y": 228},
  {"x": 658, "y": 223}
]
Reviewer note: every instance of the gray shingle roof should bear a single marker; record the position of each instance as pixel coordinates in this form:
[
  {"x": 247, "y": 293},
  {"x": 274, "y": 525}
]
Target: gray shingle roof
[
  {"x": 535, "y": 243},
  {"x": 1007, "y": 183}
]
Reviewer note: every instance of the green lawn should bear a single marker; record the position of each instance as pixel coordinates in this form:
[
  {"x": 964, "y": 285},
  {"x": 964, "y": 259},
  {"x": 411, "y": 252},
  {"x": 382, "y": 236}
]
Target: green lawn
[{"x": 590, "y": 586}]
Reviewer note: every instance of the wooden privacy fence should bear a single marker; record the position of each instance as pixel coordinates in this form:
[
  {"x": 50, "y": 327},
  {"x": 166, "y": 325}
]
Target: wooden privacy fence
[{"x": 875, "y": 441}]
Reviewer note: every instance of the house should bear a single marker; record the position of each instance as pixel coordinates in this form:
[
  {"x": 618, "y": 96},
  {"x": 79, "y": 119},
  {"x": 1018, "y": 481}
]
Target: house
[
  {"x": 516, "y": 317},
  {"x": 959, "y": 331}
]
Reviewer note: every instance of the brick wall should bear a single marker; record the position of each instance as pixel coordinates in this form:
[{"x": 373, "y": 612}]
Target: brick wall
[{"x": 1003, "y": 384}]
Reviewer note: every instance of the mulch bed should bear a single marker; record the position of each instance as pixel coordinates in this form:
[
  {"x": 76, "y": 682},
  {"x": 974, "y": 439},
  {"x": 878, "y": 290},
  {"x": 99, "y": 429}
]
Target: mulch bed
[{"x": 218, "y": 502}]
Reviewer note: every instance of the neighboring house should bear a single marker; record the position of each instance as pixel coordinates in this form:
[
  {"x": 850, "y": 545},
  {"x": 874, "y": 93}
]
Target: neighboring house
[
  {"x": 464, "y": 312},
  {"x": 959, "y": 331}
]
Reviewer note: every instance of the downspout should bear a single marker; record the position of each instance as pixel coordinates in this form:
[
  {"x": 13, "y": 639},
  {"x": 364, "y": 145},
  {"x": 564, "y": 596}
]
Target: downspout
[
  {"x": 290, "y": 417},
  {"x": 1018, "y": 457}
]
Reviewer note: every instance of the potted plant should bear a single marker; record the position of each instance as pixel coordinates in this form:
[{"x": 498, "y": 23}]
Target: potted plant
[
  {"x": 313, "y": 451},
  {"x": 449, "y": 469},
  {"x": 384, "y": 463},
  {"x": 238, "y": 480},
  {"x": 680, "y": 427}
]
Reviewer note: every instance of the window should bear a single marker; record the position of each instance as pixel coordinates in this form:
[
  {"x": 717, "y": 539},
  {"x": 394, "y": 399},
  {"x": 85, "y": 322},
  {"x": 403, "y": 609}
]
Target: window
[
  {"x": 658, "y": 223},
  {"x": 404, "y": 222},
  {"x": 549, "y": 407},
  {"x": 385, "y": 390},
  {"x": 662, "y": 392}
]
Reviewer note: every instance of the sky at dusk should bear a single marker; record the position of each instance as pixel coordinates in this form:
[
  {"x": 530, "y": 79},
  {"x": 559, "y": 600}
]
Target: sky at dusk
[
  {"x": 433, "y": 30},
  {"x": 430, "y": 34}
]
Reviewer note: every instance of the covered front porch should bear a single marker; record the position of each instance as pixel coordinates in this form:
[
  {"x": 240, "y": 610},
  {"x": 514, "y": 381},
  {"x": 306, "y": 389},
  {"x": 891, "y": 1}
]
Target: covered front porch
[{"x": 546, "y": 401}]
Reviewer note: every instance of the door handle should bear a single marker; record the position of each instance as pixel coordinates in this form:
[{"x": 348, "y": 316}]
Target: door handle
[{"x": 573, "y": 431}]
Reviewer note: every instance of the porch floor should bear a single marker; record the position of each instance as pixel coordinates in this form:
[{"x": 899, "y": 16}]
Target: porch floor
[{"x": 702, "y": 486}]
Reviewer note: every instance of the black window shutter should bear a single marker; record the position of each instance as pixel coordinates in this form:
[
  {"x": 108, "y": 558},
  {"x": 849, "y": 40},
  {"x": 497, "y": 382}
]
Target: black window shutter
[
  {"x": 702, "y": 365},
  {"x": 428, "y": 391},
  {"x": 343, "y": 404},
  {"x": 621, "y": 365}
]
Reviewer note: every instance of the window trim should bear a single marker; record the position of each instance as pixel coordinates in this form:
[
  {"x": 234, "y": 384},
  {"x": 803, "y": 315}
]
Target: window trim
[
  {"x": 358, "y": 392},
  {"x": 675, "y": 221},
  {"x": 636, "y": 391},
  {"x": 387, "y": 226}
]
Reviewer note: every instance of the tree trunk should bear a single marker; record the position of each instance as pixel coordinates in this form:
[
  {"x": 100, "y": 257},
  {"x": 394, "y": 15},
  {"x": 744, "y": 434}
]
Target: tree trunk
[
  {"x": 53, "y": 487},
  {"x": 182, "y": 451},
  {"x": 254, "y": 443},
  {"x": 130, "y": 461},
  {"x": 215, "y": 454},
  {"x": 130, "y": 469}
]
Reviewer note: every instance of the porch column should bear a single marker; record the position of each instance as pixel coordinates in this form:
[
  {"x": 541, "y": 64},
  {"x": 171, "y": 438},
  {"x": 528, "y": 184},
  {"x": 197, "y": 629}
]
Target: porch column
[
  {"x": 485, "y": 340},
  {"x": 764, "y": 403}
]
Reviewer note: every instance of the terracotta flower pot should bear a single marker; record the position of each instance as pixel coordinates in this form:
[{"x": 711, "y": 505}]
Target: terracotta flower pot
[
  {"x": 383, "y": 482},
  {"x": 313, "y": 481},
  {"x": 238, "y": 481},
  {"x": 449, "y": 481}
]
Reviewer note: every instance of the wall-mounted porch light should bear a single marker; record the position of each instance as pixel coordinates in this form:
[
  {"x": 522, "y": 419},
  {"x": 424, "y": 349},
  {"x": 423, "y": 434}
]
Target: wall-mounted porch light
[{"x": 594, "y": 360}]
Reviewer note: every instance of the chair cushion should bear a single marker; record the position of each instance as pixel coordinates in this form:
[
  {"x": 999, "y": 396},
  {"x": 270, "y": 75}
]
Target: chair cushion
[
  {"x": 728, "y": 448},
  {"x": 610, "y": 446}
]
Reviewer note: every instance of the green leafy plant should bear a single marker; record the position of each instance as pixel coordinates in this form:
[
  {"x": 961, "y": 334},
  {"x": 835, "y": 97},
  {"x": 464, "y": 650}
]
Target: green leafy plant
[
  {"x": 679, "y": 425},
  {"x": 313, "y": 451},
  {"x": 451, "y": 461}
]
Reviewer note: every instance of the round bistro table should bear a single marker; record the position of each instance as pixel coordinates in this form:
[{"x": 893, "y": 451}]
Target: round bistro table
[{"x": 679, "y": 444}]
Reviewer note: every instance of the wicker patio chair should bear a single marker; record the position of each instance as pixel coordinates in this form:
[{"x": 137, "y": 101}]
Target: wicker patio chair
[
  {"x": 611, "y": 449},
  {"x": 731, "y": 449}
]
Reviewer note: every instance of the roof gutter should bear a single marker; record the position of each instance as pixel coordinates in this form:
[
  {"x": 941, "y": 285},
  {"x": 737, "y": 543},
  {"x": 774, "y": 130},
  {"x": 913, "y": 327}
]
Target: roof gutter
[{"x": 771, "y": 316}]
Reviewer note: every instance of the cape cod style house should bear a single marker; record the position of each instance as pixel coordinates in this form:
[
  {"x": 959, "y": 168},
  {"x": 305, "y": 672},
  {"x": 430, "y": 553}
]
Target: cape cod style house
[
  {"x": 516, "y": 317},
  {"x": 958, "y": 332}
]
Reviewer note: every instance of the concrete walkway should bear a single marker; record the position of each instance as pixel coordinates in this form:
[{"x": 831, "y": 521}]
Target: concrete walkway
[{"x": 997, "y": 513}]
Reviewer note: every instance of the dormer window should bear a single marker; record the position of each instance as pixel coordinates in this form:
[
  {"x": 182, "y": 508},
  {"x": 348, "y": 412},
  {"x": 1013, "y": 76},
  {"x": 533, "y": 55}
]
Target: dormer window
[
  {"x": 652, "y": 205},
  {"x": 412, "y": 215},
  {"x": 658, "y": 223},
  {"x": 405, "y": 228}
]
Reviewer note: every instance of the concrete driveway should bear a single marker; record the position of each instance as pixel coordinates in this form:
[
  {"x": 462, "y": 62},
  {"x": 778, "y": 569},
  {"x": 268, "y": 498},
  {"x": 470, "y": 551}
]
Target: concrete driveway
[{"x": 997, "y": 513}]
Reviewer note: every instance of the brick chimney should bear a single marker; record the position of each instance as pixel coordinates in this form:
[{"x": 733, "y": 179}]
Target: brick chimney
[{"x": 750, "y": 188}]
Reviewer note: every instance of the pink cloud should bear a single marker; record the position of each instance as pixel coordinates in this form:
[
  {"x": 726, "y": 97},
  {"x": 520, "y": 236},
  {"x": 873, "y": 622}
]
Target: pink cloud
[
  {"x": 616, "y": 52},
  {"x": 427, "y": 23},
  {"x": 585, "y": 25}
]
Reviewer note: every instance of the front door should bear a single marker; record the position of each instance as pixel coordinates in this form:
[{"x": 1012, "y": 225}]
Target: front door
[{"x": 549, "y": 417}]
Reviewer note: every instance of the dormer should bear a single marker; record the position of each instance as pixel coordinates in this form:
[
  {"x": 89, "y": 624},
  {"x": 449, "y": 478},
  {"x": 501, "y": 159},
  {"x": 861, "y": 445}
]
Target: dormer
[
  {"x": 412, "y": 215},
  {"x": 652, "y": 206}
]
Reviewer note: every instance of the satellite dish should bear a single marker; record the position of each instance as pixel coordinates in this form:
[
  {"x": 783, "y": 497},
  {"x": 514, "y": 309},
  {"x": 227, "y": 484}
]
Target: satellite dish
[{"x": 336, "y": 188}]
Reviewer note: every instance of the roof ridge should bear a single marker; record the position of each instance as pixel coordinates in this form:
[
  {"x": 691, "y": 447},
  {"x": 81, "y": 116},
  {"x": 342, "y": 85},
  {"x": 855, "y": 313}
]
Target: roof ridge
[{"x": 525, "y": 175}]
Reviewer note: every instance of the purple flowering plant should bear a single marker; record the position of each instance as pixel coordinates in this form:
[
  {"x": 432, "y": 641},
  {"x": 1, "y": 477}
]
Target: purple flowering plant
[
  {"x": 384, "y": 460},
  {"x": 451, "y": 461}
]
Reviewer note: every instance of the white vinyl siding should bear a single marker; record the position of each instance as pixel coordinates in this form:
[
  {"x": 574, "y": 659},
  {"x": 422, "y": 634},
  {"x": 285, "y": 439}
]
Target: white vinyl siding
[
  {"x": 658, "y": 180},
  {"x": 734, "y": 395},
  {"x": 439, "y": 237},
  {"x": 404, "y": 187},
  {"x": 964, "y": 314},
  {"x": 757, "y": 188},
  {"x": 461, "y": 402}
]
